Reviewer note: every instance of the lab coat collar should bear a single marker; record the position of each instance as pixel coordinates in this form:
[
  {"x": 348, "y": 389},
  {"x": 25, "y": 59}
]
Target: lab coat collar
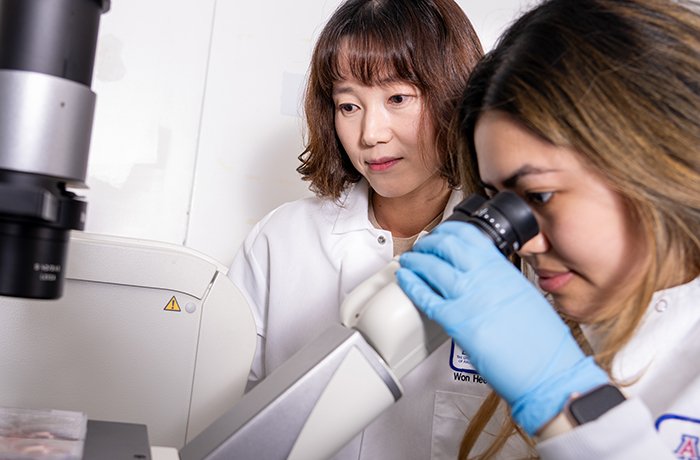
[
  {"x": 353, "y": 212},
  {"x": 669, "y": 317}
]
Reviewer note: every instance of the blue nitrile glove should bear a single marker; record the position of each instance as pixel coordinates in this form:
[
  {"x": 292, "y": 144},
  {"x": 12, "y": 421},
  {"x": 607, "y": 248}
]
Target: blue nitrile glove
[{"x": 512, "y": 335}]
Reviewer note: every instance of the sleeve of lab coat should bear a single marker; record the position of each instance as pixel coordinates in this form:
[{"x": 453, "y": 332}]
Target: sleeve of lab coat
[
  {"x": 626, "y": 431},
  {"x": 250, "y": 273}
]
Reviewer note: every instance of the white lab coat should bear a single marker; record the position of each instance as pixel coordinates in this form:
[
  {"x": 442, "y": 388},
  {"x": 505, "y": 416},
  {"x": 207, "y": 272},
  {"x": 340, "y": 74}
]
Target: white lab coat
[
  {"x": 295, "y": 269},
  {"x": 661, "y": 419}
]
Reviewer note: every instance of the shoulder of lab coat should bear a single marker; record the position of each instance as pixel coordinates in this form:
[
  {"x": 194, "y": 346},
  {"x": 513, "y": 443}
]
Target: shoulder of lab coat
[{"x": 305, "y": 219}]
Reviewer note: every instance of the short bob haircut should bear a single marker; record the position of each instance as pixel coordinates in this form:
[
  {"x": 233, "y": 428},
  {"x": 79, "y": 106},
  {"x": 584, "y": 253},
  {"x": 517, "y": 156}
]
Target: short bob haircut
[{"x": 428, "y": 43}]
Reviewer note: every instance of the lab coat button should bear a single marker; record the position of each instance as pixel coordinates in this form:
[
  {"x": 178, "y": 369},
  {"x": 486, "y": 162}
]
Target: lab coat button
[
  {"x": 381, "y": 239},
  {"x": 661, "y": 306}
]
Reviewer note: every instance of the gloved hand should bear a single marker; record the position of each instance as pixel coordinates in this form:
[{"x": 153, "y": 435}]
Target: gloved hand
[{"x": 512, "y": 335}]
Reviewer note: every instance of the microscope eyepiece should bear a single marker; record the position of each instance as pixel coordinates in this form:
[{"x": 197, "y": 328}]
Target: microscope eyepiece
[{"x": 505, "y": 218}]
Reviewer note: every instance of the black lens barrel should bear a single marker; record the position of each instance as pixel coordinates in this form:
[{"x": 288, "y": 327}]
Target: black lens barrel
[
  {"x": 37, "y": 255},
  {"x": 36, "y": 216},
  {"x": 55, "y": 37},
  {"x": 506, "y": 219}
]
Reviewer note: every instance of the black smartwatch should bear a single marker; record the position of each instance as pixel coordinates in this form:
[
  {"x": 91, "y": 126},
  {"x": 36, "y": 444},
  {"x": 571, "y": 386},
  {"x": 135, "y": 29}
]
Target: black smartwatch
[{"x": 589, "y": 406}]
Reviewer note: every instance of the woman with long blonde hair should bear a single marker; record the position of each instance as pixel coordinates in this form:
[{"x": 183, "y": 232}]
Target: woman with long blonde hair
[{"x": 590, "y": 111}]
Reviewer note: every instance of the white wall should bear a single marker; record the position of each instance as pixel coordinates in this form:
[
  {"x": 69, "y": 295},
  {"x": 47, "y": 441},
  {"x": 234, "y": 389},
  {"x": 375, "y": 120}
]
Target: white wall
[{"x": 197, "y": 127}]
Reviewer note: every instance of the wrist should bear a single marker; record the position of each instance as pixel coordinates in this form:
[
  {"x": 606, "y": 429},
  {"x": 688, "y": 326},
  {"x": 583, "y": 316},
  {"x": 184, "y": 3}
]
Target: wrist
[
  {"x": 542, "y": 404},
  {"x": 581, "y": 409},
  {"x": 558, "y": 425}
]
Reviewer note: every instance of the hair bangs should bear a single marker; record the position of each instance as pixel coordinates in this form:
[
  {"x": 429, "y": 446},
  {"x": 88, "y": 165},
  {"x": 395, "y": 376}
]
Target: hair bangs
[{"x": 374, "y": 58}]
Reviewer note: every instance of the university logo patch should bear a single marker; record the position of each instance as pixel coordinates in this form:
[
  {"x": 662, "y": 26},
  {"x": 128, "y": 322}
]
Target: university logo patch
[
  {"x": 459, "y": 360},
  {"x": 682, "y": 434}
]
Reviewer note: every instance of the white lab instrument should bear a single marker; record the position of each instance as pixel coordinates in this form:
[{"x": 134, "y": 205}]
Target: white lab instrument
[
  {"x": 332, "y": 388},
  {"x": 145, "y": 332}
]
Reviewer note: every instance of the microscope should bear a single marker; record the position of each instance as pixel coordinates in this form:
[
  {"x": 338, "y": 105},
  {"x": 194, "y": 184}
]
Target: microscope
[{"x": 47, "y": 53}]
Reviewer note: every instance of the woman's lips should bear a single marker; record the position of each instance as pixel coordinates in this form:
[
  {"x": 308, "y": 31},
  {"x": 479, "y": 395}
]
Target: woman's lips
[
  {"x": 551, "y": 281},
  {"x": 382, "y": 164}
]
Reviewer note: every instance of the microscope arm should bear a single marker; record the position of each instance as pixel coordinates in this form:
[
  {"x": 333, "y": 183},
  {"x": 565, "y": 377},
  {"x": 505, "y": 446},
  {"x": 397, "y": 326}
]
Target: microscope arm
[
  {"x": 323, "y": 396},
  {"x": 387, "y": 319}
]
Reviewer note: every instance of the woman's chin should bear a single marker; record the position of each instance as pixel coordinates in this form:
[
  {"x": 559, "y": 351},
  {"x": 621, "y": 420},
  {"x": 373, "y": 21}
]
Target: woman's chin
[{"x": 571, "y": 309}]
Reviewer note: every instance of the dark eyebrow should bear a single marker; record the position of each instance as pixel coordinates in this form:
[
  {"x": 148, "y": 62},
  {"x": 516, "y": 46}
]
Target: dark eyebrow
[
  {"x": 513, "y": 179},
  {"x": 341, "y": 90}
]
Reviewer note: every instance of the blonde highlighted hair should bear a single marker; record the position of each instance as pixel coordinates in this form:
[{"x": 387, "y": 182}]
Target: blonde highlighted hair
[{"x": 617, "y": 81}]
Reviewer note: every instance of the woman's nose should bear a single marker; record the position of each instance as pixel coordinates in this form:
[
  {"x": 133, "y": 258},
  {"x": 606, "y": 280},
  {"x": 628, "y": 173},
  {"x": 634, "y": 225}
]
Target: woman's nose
[
  {"x": 376, "y": 127},
  {"x": 536, "y": 245}
]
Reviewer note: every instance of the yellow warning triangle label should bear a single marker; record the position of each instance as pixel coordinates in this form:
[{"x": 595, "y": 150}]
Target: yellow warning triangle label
[{"x": 172, "y": 305}]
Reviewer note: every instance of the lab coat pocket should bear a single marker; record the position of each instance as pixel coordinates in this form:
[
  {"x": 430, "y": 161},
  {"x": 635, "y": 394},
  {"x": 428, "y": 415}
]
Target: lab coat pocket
[{"x": 451, "y": 416}]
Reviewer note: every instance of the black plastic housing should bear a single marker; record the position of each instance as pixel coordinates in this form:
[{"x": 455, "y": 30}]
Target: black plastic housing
[{"x": 505, "y": 218}]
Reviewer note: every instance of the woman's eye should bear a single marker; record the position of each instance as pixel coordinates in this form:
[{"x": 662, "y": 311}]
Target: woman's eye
[
  {"x": 539, "y": 197},
  {"x": 346, "y": 108},
  {"x": 398, "y": 98}
]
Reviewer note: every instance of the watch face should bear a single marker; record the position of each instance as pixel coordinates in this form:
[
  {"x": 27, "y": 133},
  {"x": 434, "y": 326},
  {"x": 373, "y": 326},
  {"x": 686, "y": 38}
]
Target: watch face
[{"x": 592, "y": 405}]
